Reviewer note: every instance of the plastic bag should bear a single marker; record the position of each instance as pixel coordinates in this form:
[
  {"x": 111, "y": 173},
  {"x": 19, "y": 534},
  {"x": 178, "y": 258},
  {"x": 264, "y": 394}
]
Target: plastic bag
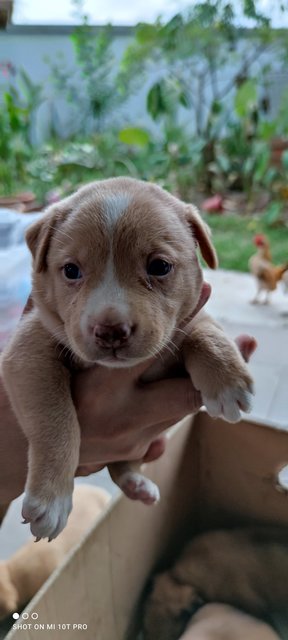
[{"x": 15, "y": 269}]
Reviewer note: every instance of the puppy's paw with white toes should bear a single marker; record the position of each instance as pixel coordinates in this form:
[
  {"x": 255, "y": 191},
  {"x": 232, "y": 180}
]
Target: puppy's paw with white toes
[
  {"x": 229, "y": 403},
  {"x": 137, "y": 487},
  {"x": 47, "y": 517}
]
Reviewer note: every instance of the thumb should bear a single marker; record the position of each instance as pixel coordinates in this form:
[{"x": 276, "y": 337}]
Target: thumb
[
  {"x": 167, "y": 400},
  {"x": 204, "y": 297}
]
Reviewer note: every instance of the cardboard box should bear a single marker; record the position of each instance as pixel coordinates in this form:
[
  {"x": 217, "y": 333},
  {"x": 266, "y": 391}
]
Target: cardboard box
[{"x": 213, "y": 474}]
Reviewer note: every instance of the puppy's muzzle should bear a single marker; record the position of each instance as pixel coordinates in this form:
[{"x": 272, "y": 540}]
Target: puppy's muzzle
[{"x": 110, "y": 336}]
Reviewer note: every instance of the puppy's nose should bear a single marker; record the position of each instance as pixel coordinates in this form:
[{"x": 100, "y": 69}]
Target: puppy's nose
[{"x": 112, "y": 335}]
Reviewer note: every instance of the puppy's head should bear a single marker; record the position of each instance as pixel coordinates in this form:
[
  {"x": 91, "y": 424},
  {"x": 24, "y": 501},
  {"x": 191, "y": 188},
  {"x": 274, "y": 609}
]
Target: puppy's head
[
  {"x": 116, "y": 269},
  {"x": 169, "y": 608},
  {"x": 8, "y": 593}
]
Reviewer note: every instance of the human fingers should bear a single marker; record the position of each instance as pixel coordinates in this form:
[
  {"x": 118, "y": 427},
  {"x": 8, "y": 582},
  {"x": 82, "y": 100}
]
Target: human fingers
[
  {"x": 156, "y": 449},
  {"x": 204, "y": 297},
  {"x": 246, "y": 345},
  {"x": 169, "y": 400},
  {"x": 28, "y": 305},
  {"x": 87, "y": 469},
  {"x": 166, "y": 400}
]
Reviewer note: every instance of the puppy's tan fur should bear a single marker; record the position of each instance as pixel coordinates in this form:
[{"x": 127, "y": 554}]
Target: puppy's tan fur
[
  {"x": 111, "y": 230},
  {"x": 245, "y": 568},
  {"x": 22, "y": 575},
  {"x": 222, "y": 622}
]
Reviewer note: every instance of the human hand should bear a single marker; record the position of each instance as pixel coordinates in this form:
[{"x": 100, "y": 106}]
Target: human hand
[
  {"x": 119, "y": 417},
  {"x": 122, "y": 418}
]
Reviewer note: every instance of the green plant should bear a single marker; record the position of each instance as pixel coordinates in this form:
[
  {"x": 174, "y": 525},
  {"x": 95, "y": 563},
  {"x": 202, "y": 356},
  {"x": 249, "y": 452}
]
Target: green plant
[
  {"x": 64, "y": 166},
  {"x": 20, "y": 101},
  {"x": 208, "y": 98},
  {"x": 60, "y": 167},
  {"x": 95, "y": 87},
  {"x": 233, "y": 238},
  {"x": 242, "y": 155},
  {"x": 202, "y": 59}
]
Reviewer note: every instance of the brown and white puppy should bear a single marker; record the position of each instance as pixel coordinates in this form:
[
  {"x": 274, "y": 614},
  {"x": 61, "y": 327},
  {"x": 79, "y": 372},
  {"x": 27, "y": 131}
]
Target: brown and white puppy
[
  {"x": 222, "y": 622},
  {"x": 22, "y": 575},
  {"x": 245, "y": 568},
  {"x": 116, "y": 280}
]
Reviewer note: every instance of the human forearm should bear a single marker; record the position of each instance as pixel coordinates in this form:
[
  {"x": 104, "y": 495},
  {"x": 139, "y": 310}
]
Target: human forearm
[
  {"x": 119, "y": 420},
  {"x": 13, "y": 452}
]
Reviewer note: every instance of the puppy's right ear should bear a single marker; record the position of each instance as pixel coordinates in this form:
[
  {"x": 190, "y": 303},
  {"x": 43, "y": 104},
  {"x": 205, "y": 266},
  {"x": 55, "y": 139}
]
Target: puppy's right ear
[
  {"x": 39, "y": 235},
  {"x": 202, "y": 235}
]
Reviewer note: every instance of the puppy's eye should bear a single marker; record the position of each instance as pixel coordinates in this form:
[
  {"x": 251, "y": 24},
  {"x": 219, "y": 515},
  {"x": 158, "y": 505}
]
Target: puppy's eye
[
  {"x": 159, "y": 268},
  {"x": 71, "y": 271}
]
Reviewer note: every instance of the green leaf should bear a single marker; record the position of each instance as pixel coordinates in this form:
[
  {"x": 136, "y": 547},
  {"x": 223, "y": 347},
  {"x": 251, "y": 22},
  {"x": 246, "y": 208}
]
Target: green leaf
[
  {"x": 146, "y": 33},
  {"x": 249, "y": 8},
  {"x": 261, "y": 165},
  {"x": 248, "y": 165},
  {"x": 284, "y": 159},
  {"x": 224, "y": 163},
  {"x": 267, "y": 129},
  {"x": 216, "y": 107},
  {"x": 246, "y": 98},
  {"x": 134, "y": 136},
  {"x": 273, "y": 213},
  {"x": 184, "y": 99},
  {"x": 271, "y": 174},
  {"x": 155, "y": 101}
]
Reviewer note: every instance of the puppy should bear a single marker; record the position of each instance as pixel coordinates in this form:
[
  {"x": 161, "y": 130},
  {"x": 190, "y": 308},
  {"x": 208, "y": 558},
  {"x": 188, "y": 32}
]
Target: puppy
[
  {"x": 22, "y": 575},
  {"x": 222, "y": 622},
  {"x": 116, "y": 280},
  {"x": 245, "y": 568}
]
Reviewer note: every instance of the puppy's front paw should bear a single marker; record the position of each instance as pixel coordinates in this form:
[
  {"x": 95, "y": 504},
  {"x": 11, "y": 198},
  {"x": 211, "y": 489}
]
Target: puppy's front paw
[
  {"x": 229, "y": 402},
  {"x": 137, "y": 487},
  {"x": 47, "y": 517}
]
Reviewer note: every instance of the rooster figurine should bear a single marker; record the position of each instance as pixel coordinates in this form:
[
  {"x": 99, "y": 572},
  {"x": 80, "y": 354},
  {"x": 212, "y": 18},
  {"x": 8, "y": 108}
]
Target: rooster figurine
[
  {"x": 285, "y": 281},
  {"x": 267, "y": 274}
]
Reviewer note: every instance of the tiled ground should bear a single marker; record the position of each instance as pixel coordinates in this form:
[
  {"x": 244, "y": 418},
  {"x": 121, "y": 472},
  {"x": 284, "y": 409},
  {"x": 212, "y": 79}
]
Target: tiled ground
[{"x": 230, "y": 304}]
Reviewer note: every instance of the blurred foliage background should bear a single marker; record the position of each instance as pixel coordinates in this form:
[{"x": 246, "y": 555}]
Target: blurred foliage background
[{"x": 215, "y": 134}]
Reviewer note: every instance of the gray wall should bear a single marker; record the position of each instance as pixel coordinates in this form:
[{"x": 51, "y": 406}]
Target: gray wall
[{"x": 29, "y": 46}]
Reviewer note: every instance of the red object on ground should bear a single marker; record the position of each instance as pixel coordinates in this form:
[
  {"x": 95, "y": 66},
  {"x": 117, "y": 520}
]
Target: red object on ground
[{"x": 213, "y": 204}]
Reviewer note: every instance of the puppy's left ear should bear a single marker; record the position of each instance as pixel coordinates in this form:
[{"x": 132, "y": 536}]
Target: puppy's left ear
[
  {"x": 202, "y": 235},
  {"x": 39, "y": 234},
  {"x": 38, "y": 237}
]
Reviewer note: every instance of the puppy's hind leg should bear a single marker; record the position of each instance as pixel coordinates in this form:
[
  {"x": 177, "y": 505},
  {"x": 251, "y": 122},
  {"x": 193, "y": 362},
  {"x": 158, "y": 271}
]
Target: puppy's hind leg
[{"x": 134, "y": 484}]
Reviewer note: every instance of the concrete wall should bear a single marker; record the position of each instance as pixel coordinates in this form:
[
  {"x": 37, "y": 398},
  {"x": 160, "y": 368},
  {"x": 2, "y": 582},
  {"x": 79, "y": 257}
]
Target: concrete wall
[{"x": 30, "y": 47}]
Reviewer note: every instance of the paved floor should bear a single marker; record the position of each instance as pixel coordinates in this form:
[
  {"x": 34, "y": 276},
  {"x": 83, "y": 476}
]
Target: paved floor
[{"x": 230, "y": 304}]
